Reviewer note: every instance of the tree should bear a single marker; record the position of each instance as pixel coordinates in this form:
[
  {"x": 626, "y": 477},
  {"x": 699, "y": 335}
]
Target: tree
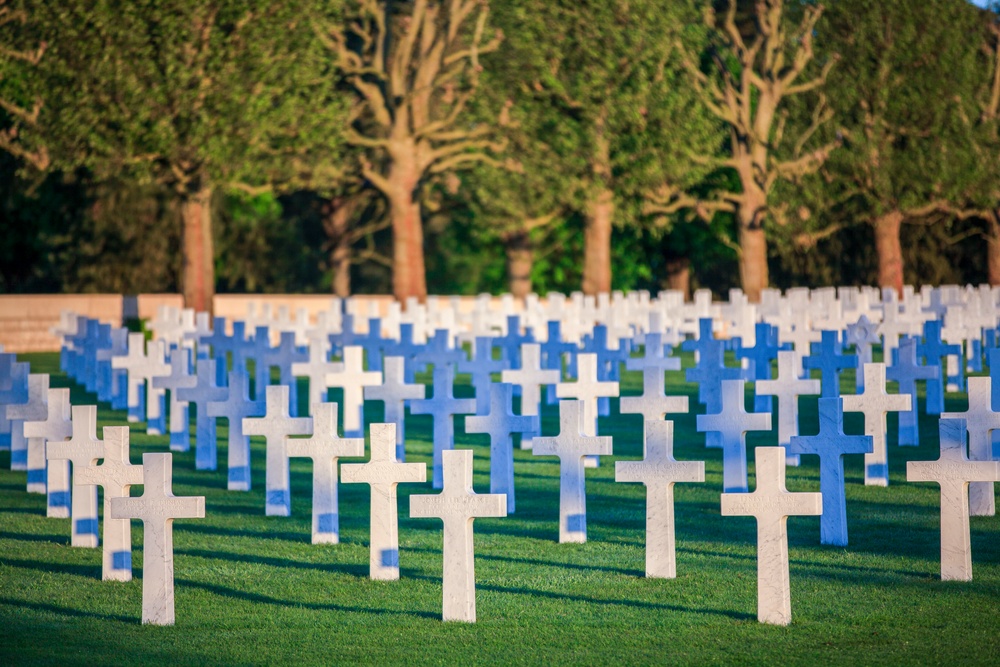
[
  {"x": 904, "y": 83},
  {"x": 415, "y": 67},
  {"x": 594, "y": 87},
  {"x": 748, "y": 82},
  {"x": 189, "y": 94}
]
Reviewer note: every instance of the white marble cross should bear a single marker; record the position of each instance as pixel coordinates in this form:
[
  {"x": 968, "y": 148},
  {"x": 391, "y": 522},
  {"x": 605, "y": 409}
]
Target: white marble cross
[
  {"x": 83, "y": 449},
  {"x": 500, "y": 424},
  {"x": 204, "y": 393},
  {"x": 788, "y": 386},
  {"x": 771, "y": 504},
  {"x": 953, "y": 471},
  {"x": 830, "y": 445},
  {"x": 353, "y": 379},
  {"x": 236, "y": 407},
  {"x": 733, "y": 422},
  {"x": 981, "y": 421},
  {"x": 862, "y": 335},
  {"x": 275, "y": 426},
  {"x": 457, "y": 506},
  {"x": 115, "y": 475},
  {"x": 325, "y": 447},
  {"x": 394, "y": 392},
  {"x": 317, "y": 369},
  {"x": 906, "y": 371},
  {"x": 530, "y": 377},
  {"x": 34, "y": 409},
  {"x": 658, "y": 471},
  {"x": 571, "y": 445},
  {"x": 180, "y": 377},
  {"x": 157, "y": 508},
  {"x": 442, "y": 406},
  {"x": 131, "y": 363},
  {"x": 587, "y": 389},
  {"x": 653, "y": 404},
  {"x": 57, "y": 426},
  {"x": 874, "y": 403},
  {"x": 382, "y": 473}
]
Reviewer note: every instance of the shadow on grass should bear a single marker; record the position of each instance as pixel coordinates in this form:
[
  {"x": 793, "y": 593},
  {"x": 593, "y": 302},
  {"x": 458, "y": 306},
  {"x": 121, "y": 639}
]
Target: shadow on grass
[
  {"x": 544, "y": 563},
  {"x": 28, "y": 537},
  {"x": 357, "y": 570},
  {"x": 637, "y": 604},
  {"x": 65, "y": 611},
  {"x": 259, "y": 598},
  {"x": 88, "y": 571}
]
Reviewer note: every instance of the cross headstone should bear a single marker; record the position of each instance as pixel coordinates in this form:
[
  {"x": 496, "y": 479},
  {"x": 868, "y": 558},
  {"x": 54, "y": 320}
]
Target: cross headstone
[
  {"x": 57, "y": 426},
  {"x": 587, "y": 389},
  {"x": 500, "y": 423},
  {"x": 653, "y": 404},
  {"x": 530, "y": 377},
  {"x": 764, "y": 350},
  {"x": 284, "y": 357},
  {"x": 157, "y": 508},
  {"x": 131, "y": 362},
  {"x": 935, "y": 352},
  {"x": 710, "y": 371},
  {"x": 383, "y": 472},
  {"x": 316, "y": 369},
  {"x": 457, "y": 506},
  {"x": 481, "y": 368},
  {"x": 235, "y": 408},
  {"x": 325, "y": 447},
  {"x": 874, "y": 403},
  {"x": 353, "y": 379},
  {"x": 394, "y": 392},
  {"x": 981, "y": 421},
  {"x": 275, "y": 424},
  {"x": 733, "y": 422},
  {"x": 83, "y": 449},
  {"x": 35, "y": 408},
  {"x": 180, "y": 378},
  {"x": 571, "y": 446},
  {"x": 115, "y": 474},
  {"x": 442, "y": 406},
  {"x": 830, "y": 445},
  {"x": 658, "y": 471},
  {"x": 788, "y": 386},
  {"x": 407, "y": 349},
  {"x": 553, "y": 350},
  {"x": 953, "y": 471},
  {"x": 771, "y": 504},
  {"x": 862, "y": 335},
  {"x": 906, "y": 371},
  {"x": 13, "y": 392},
  {"x": 828, "y": 358},
  {"x": 204, "y": 393}
]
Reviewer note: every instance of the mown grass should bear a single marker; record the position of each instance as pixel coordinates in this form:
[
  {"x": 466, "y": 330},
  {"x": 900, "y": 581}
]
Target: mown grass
[{"x": 252, "y": 589}]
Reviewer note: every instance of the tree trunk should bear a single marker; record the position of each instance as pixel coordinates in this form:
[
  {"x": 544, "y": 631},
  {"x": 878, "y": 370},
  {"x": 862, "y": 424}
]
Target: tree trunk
[
  {"x": 520, "y": 257},
  {"x": 993, "y": 249},
  {"x": 198, "y": 274},
  {"x": 753, "y": 261},
  {"x": 337, "y": 215},
  {"x": 408, "y": 275},
  {"x": 889, "y": 250},
  {"x": 597, "y": 244},
  {"x": 679, "y": 275}
]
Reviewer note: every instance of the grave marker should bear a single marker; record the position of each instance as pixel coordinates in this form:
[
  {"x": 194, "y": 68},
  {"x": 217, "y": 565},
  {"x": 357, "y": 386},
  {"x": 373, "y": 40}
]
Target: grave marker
[
  {"x": 394, "y": 392},
  {"x": 874, "y": 403},
  {"x": 180, "y": 378},
  {"x": 83, "y": 449},
  {"x": 732, "y": 422},
  {"x": 115, "y": 474},
  {"x": 204, "y": 393},
  {"x": 653, "y": 404},
  {"x": 442, "y": 406},
  {"x": 829, "y": 360},
  {"x": 906, "y": 371},
  {"x": 353, "y": 379},
  {"x": 658, "y": 471},
  {"x": 771, "y": 504},
  {"x": 457, "y": 506},
  {"x": 571, "y": 446},
  {"x": 325, "y": 447},
  {"x": 530, "y": 377},
  {"x": 383, "y": 472},
  {"x": 587, "y": 389},
  {"x": 831, "y": 444},
  {"x": 981, "y": 421},
  {"x": 953, "y": 471},
  {"x": 52, "y": 476},
  {"x": 157, "y": 508},
  {"x": 34, "y": 409},
  {"x": 275, "y": 424}
]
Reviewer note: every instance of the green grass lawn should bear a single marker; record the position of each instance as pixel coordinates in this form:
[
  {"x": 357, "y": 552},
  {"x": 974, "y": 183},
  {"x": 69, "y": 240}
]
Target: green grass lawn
[{"x": 252, "y": 589}]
